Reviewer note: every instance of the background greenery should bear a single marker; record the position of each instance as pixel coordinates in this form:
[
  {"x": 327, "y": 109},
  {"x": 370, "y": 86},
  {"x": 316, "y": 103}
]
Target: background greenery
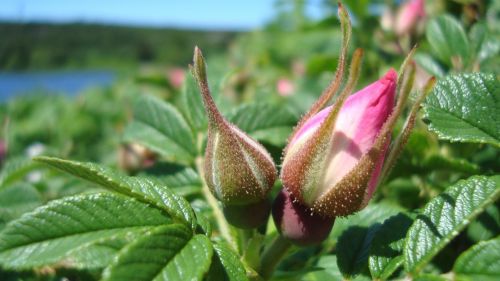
[{"x": 447, "y": 176}]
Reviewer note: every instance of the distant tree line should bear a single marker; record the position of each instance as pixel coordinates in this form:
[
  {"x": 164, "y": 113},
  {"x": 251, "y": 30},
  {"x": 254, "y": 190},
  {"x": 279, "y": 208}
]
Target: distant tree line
[{"x": 49, "y": 46}]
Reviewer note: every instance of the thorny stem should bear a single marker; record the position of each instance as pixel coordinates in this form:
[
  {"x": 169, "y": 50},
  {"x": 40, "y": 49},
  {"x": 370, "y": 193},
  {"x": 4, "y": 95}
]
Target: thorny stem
[
  {"x": 272, "y": 256},
  {"x": 222, "y": 224}
]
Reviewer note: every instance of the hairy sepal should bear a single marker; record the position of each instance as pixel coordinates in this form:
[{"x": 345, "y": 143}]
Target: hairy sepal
[{"x": 238, "y": 170}]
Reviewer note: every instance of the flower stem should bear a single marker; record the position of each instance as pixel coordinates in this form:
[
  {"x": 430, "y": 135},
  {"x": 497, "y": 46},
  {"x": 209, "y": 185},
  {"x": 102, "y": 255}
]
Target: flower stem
[
  {"x": 244, "y": 237},
  {"x": 272, "y": 256}
]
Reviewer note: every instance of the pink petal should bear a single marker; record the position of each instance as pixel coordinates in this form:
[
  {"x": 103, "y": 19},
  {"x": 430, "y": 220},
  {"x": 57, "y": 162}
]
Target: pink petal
[
  {"x": 358, "y": 125},
  {"x": 408, "y": 15},
  {"x": 296, "y": 223},
  {"x": 285, "y": 87}
]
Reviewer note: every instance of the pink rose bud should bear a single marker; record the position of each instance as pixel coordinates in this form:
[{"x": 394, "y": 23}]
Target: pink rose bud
[
  {"x": 285, "y": 87},
  {"x": 238, "y": 170},
  {"x": 336, "y": 155},
  {"x": 325, "y": 175},
  {"x": 3, "y": 151},
  {"x": 296, "y": 223},
  {"x": 176, "y": 77},
  {"x": 408, "y": 16}
]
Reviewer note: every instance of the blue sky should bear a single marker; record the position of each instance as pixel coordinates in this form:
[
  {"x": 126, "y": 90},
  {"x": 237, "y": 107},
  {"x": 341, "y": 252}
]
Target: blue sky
[{"x": 206, "y": 14}]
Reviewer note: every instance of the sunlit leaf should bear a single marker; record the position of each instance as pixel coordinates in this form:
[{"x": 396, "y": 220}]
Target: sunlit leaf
[
  {"x": 51, "y": 232},
  {"x": 169, "y": 252},
  {"x": 148, "y": 190},
  {"x": 445, "y": 216},
  {"x": 160, "y": 127},
  {"x": 466, "y": 108}
]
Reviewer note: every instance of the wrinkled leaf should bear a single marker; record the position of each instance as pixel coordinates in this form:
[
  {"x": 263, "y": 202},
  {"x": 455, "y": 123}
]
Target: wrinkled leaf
[
  {"x": 267, "y": 123},
  {"x": 227, "y": 265},
  {"x": 353, "y": 247},
  {"x": 386, "y": 252},
  {"x": 445, "y": 216},
  {"x": 182, "y": 180},
  {"x": 16, "y": 200},
  {"x": 15, "y": 169},
  {"x": 52, "y": 232},
  {"x": 99, "y": 254},
  {"x": 373, "y": 213},
  {"x": 145, "y": 189},
  {"x": 466, "y": 108},
  {"x": 160, "y": 127},
  {"x": 481, "y": 262},
  {"x": 165, "y": 253},
  {"x": 486, "y": 226}
]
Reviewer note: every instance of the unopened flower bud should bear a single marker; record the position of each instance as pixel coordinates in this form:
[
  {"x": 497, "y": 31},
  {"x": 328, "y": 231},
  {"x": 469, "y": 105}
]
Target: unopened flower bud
[
  {"x": 238, "y": 170},
  {"x": 285, "y": 87},
  {"x": 324, "y": 166},
  {"x": 409, "y": 15},
  {"x": 3, "y": 151},
  {"x": 338, "y": 155},
  {"x": 296, "y": 223},
  {"x": 176, "y": 77}
]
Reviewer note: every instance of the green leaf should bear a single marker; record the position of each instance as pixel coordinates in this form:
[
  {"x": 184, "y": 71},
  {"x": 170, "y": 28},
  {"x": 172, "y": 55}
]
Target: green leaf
[
  {"x": 477, "y": 35},
  {"x": 429, "y": 64},
  {"x": 166, "y": 253},
  {"x": 466, "y": 108},
  {"x": 52, "y": 232},
  {"x": 100, "y": 254},
  {"x": 484, "y": 44},
  {"x": 203, "y": 223},
  {"x": 441, "y": 162},
  {"x": 191, "y": 105},
  {"x": 17, "y": 199},
  {"x": 264, "y": 122},
  {"x": 448, "y": 39},
  {"x": 480, "y": 262},
  {"x": 14, "y": 169},
  {"x": 182, "y": 180},
  {"x": 160, "y": 127},
  {"x": 373, "y": 213},
  {"x": 352, "y": 249},
  {"x": 486, "y": 226},
  {"x": 144, "y": 189},
  {"x": 386, "y": 252},
  {"x": 430, "y": 277},
  {"x": 359, "y": 7},
  {"x": 227, "y": 265},
  {"x": 330, "y": 270},
  {"x": 445, "y": 216}
]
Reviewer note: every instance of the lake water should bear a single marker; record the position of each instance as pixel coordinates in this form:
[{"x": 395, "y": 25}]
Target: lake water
[{"x": 61, "y": 82}]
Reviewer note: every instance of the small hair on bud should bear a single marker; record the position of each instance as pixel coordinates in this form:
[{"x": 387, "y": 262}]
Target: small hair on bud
[{"x": 238, "y": 170}]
